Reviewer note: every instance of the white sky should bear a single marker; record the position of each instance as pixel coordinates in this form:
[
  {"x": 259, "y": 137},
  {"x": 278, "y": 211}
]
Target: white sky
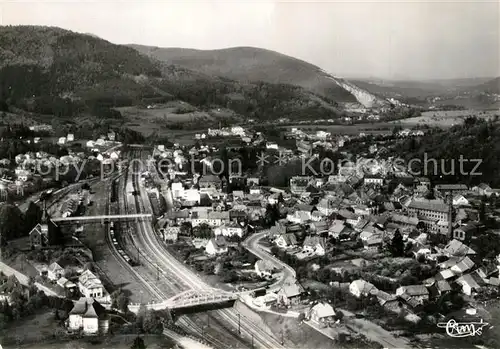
[{"x": 392, "y": 39}]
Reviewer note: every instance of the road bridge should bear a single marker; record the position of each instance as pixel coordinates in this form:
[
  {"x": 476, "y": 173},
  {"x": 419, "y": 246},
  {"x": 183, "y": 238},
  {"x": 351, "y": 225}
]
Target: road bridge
[{"x": 190, "y": 298}]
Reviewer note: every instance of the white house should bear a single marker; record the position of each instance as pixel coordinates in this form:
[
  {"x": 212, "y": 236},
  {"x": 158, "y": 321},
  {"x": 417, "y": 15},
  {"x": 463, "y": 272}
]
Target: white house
[
  {"x": 62, "y": 140},
  {"x": 271, "y": 145},
  {"x": 468, "y": 283},
  {"x": 216, "y": 246},
  {"x": 314, "y": 244},
  {"x": 70, "y": 137},
  {"x": 264, "y": 268},
  {"x": 460, "y": 200},
  {"x": 88, "y": 316},
  {"x": 90, "y": 286},
  {"x": 177, "y": 189},
  {"x": 237, "y": 130},
  {"x": 361, "y": 287},
  {"x": 115, "y": 155},
  {"x": 90, "y": 144},
  {"x": 100, "y": 142},
  {"x": 213, "y": 218},
  {"x": 255, "y": 190},
  {"x": 191, "y": 195},
  {"x": 322, "y": 313},
  {"x": 286, "y": 240},
  {"x": 229, "y": 229},
  {"x": 377, "y": 180},
  {"x": 55, "y": 271}
]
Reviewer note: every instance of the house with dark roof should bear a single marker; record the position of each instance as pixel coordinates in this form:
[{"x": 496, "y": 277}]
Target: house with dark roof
[
  {"x": 88, "y": 317},
  {"x": 438, "y": 288},
  {"x": 290, "y": 293},
  {"x": 456, "y": 248},
  {"x": 210, "y": 181},
  {"x": 432, "y": 210},
  {"x": 466, "y": 232},
  {"x": 483, "y": 189},
  {"x": 453, "y": 188},
  {"x": 416, "y": 292}
]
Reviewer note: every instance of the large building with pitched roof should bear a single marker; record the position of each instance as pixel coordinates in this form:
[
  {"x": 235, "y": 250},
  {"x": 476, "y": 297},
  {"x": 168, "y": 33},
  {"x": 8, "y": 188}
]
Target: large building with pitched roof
[{"x": 89, "y": 317}]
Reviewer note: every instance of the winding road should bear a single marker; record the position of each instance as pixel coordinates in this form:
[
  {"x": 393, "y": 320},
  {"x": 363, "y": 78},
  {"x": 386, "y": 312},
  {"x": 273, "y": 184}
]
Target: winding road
[{"x": 252, "y": 245}]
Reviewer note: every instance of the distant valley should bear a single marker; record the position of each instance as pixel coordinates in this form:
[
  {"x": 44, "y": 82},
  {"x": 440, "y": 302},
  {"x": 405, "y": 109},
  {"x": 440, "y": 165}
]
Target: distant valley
[{"x": 49, "y": 73}]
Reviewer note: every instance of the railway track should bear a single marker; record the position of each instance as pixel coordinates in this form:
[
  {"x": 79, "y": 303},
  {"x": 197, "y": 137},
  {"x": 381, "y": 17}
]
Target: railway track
[
  {"x": 187, "y": 278},
  {"x": 153, "y": 285}
]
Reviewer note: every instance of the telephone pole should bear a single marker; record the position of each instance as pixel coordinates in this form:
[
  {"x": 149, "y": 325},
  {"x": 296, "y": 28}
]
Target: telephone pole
[{"x": 239, "y": 324}]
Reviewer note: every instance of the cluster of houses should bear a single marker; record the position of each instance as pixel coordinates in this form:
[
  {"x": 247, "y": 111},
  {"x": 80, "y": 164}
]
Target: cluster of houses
[
  {"x": 87, "y": 284},
  {"x": 42, "y": 164},
  {"x": 366, "y": 204}
]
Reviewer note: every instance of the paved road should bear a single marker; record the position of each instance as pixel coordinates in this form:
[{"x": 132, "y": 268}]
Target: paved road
[
  {"x": 369, "y": 329},
  {"x": 252, "y": 244}
]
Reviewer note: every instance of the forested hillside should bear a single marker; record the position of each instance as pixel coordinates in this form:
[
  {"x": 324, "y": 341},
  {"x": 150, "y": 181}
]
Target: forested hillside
[
  {"x": 475, "y": 140},
  {"x": 55, "y": 71}
]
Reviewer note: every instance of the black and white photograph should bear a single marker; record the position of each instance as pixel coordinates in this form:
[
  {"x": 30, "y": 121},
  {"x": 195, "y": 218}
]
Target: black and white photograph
[{"x": 249, "y": 174}]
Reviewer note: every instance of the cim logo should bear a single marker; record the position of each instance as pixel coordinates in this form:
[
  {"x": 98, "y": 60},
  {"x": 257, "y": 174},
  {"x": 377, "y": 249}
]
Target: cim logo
[{"x": 463, "y": 329}]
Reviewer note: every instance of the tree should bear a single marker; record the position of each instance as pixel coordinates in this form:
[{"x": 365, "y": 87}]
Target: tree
[
  {"x": 482, "y": 211},
  {"x": 32, "y": 216},
  {"x": 151, "y": 322},
  {"x": 120, "y": 300},
  {"x": 10, "y": 222},
  {"x": 301, "y": 317},
  {"x": 397, "y": 246},
  {"x": 89, "y": 266},
  {"x": 272, "y": 214},
  {"x": 138, "y": 343},
  {"x": 203, "y": 231},
  {"x": 430, "y": 195},
  {"x": 186, "y": 228}
]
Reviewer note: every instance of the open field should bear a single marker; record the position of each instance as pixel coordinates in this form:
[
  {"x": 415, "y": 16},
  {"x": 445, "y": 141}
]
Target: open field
[
  {"x": 445, "y": 118},
  {"x": 375, "y": 128},
  {"x": 160, "y": 116}
]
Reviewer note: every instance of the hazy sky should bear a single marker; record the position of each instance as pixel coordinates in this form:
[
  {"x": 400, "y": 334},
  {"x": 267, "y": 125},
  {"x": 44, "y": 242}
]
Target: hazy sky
[{"x": 392, "y": 39}]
